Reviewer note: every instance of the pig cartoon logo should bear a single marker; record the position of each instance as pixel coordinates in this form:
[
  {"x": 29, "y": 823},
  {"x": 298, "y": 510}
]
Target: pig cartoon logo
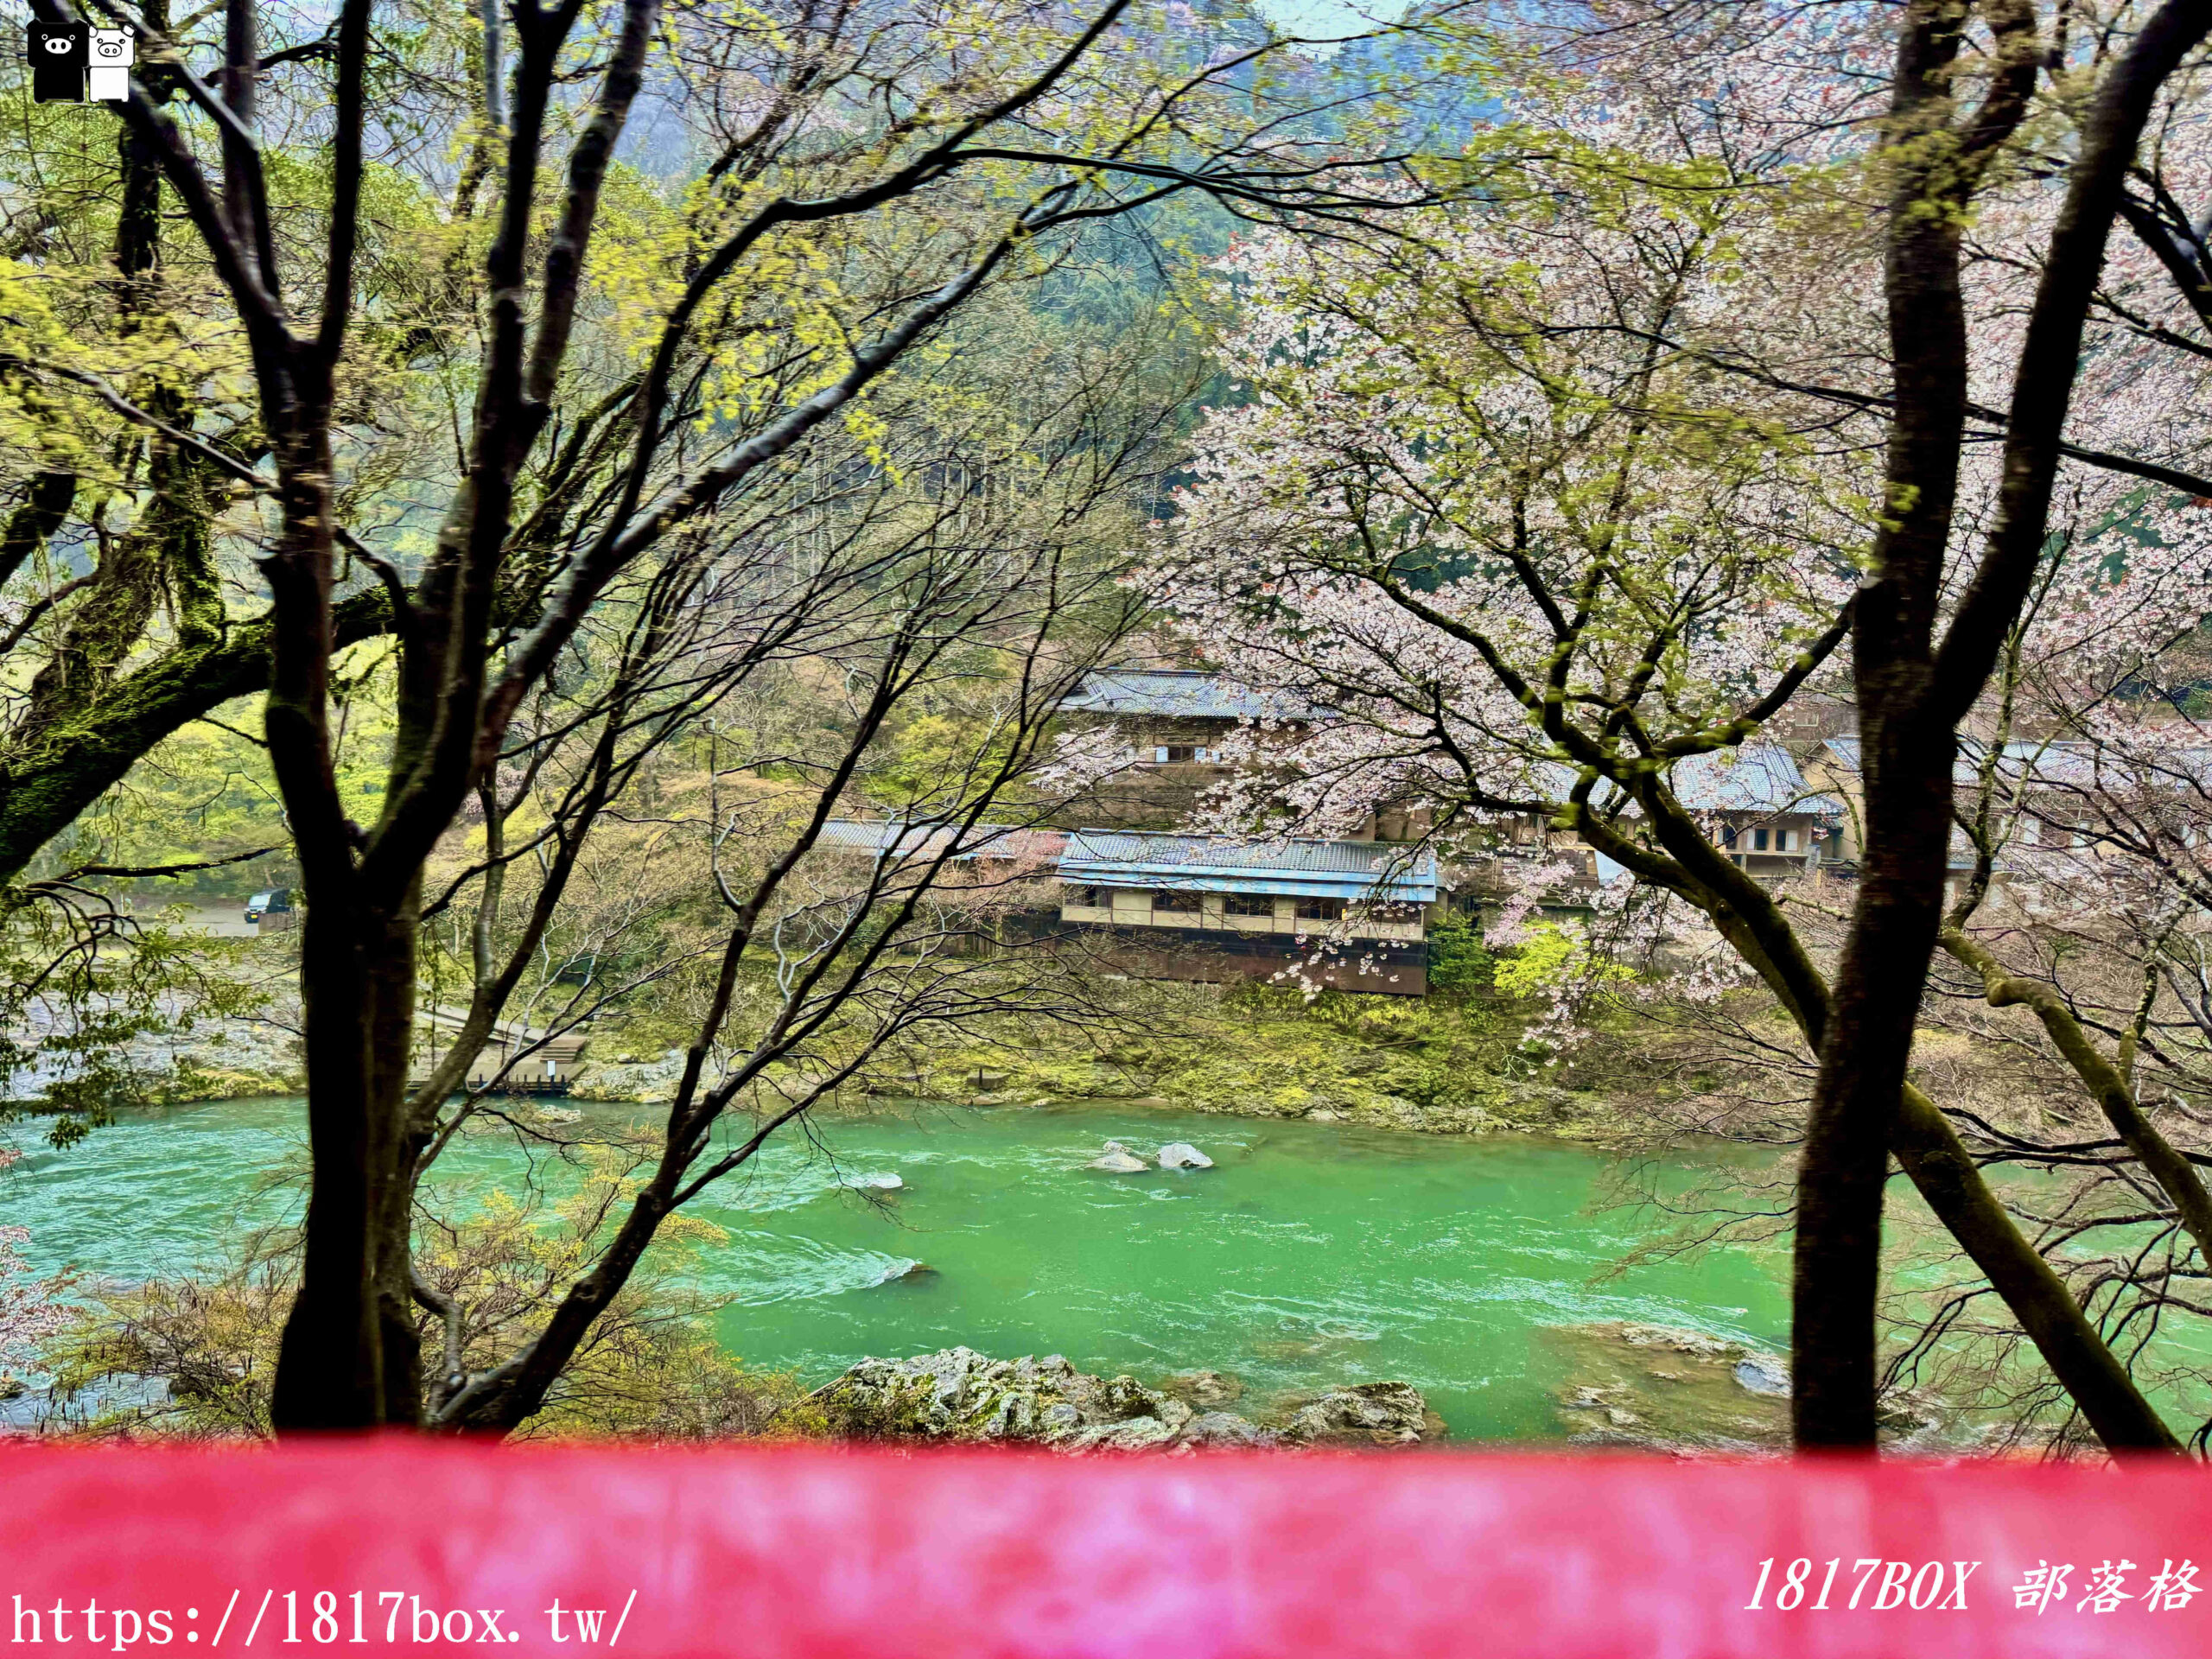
[
  {"x": 114, "y": 50},
  {"x": 60, "y": 55}
]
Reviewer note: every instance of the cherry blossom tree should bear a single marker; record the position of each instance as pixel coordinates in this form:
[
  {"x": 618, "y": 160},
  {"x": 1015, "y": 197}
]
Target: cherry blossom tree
[
  {"x": 1747, "y": 355},
  {"x": 2077, "y": 940}
]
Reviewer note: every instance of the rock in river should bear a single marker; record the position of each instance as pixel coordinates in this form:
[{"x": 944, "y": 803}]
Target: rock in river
[
  {"x": 1205, "y": 1388},
  {"x": 1662, "y": 1389},
  {"x": 1181, "y": 1154},
  {"x": 1118, "y": 1160},
  {"x": 873, "y": 1184}
]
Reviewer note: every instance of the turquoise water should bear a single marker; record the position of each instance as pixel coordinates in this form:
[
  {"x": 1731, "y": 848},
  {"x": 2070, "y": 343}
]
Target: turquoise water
[{"x": 1314, "y": 1254}]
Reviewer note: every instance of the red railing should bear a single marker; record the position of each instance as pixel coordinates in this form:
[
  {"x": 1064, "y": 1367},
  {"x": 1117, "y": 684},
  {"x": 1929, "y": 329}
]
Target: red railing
[{"x": 775, "y": 1552}]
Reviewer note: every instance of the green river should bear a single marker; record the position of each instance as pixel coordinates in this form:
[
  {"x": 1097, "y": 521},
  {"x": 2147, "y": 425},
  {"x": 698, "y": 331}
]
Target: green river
[{"x": 1313, "y": 1254}]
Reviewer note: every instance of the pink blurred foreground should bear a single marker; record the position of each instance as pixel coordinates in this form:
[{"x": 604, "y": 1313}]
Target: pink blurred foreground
[{"x": 798, "y": 1551}]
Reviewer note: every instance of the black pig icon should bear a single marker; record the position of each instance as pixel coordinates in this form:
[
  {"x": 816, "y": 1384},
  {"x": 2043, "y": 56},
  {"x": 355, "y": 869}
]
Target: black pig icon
[{"x": 61, "y": 53}]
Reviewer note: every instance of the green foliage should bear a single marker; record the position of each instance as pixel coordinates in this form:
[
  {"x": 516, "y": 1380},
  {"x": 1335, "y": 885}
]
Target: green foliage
[
  {"x": 1551, "y": 958},
  {"x": 672, "y": 1380},
  {"x": 202, "y": 794},
  {"x": 1458, "y": 962},
  {"x": 1440, "y": 1063},
  {"x": 79, "y": 985}
]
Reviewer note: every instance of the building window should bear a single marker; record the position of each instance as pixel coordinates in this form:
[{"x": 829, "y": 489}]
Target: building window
[
  {"x": 1758, "y": 839},
  {"x": 1320, "y": 910},
  {"x": 1175, "y": 904},
  {"x": 1087, "y": 897},
  {"x": 1176, "y": 754},
  {"x": 1727, "y": 835},
  {"x": 1782, "y": 841},
  {"x": 1250, "y": 904}
]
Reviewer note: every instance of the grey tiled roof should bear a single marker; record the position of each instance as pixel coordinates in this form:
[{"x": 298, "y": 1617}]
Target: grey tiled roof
[
  {"x": 2054, "y": 763},
  {"x": 1757, "y": 778},
  {"x": 1340, "y": 869},
  {"x": 904, "y": 840},
  {"x": 1181, "y": 693}
]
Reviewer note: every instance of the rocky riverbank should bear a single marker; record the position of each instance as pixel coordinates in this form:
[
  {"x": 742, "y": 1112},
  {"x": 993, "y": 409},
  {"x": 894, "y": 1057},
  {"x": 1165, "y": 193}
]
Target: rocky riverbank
[
  {"x": 218, "y": 1058},
  {"x": 959, "y": 1396},
  {"x": 1506, "y": 1104},
  {"x": 236, "y": 1059},
  {"x": 1439, "y": 1066}
]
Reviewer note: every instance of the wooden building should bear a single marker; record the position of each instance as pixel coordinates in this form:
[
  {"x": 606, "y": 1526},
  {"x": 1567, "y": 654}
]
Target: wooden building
[
  {"x": 1774, "y": 822},
  {"x": 516, "y": 1059},
  {"x": 1177, "y": 724},
  {"x": 1186, "y": 730},
  {"x": 1771, "y": 821},
  {"x": 1350, "y": 914},
  {"x": 2049, "y": 796}
]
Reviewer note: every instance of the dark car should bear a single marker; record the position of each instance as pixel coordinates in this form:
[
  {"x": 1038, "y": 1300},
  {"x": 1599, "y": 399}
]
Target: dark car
[{"x": 277, "y": 901}]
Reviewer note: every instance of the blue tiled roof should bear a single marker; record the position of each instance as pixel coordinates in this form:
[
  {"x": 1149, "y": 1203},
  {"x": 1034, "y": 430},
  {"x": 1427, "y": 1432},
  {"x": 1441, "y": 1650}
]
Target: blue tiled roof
[
  {"x": 1300, "y": 868},
  {"x": 1125, "y": 858},
  {"x": 1184, "y": 694}
]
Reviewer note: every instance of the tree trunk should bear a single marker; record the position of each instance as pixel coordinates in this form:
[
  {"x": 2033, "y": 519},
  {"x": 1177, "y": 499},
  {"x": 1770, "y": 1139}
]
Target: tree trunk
[
  {"x": 348, "y": 1358},
  {"x": 1905, "y": 768},
  {"x": 391, "y": 974},
  {"x": 1874, "y": 1005},
  {"x": 330, "y": 1364}
]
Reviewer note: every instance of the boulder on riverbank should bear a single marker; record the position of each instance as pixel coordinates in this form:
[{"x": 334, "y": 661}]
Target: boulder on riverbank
[
  {"x": 1366, "y": 1413},
  {"x": 1763, "y": 1373},
  {"x": 1661, "y": 1389},
  {"x": 957, "y": 1394},
  {"x": 631, "y": 1081}
]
